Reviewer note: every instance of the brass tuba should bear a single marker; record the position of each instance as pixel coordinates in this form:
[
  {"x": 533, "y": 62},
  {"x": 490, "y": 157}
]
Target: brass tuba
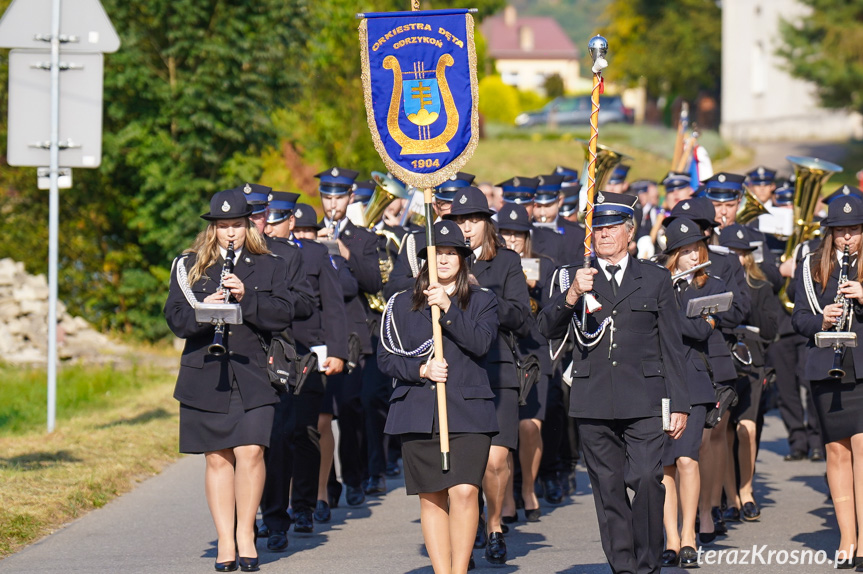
[
  {"x": 750, "y": 209},
  {"x": 606, "y": 160},
  {"x": 810, "y": 176},
  {"x": 388, "y": 190}
]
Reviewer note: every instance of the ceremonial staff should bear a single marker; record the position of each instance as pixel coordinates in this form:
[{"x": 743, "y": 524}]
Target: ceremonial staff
[{"x": 598, "y": 47}]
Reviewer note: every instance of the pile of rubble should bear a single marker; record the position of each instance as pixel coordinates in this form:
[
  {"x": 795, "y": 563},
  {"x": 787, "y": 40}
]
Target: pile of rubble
[{"x": 24, "y": 323}]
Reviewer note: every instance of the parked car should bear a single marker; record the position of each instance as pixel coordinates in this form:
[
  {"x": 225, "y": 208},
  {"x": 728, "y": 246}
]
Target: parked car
[{"x": 567, "y": 111}]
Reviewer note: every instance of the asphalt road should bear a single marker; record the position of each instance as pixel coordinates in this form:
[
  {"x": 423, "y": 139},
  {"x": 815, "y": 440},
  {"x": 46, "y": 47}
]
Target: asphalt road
[{"x": 164, "y": 526}]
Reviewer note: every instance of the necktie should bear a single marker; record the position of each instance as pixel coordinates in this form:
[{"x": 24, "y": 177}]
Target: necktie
[
  {"x": 613, "y": 269},
  {"x": 681, "y": 285}
]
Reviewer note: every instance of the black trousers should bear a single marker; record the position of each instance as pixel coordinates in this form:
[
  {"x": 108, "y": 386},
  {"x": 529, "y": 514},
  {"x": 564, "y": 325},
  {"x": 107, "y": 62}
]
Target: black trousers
[
  {"x": 622, "y": 454},
  {"x": 352, "y": 435},
  {"x": 375, "y": 400},
  {"x": 787, "y": 356},
  {"x": 553, "y": 430},
  {"x": 294, "y": 457}
]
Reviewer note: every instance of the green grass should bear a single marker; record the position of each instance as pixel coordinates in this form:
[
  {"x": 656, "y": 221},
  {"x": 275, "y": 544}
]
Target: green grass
[{"x": 80, "y": 389}]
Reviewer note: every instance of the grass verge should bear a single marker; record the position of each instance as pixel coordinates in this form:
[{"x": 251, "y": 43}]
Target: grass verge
[{"x": 121, "y": 433}]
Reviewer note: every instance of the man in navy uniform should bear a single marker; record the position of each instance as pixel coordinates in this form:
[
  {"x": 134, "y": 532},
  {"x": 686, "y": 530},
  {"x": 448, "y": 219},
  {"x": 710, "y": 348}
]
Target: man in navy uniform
[
  {"x": 617, "y": 180},
  {"x": 618, "y": 384},
  {"x": 546, "y": 211},
  {"x": 762, "y": 183},
  {"x": 359, "y": 248}
]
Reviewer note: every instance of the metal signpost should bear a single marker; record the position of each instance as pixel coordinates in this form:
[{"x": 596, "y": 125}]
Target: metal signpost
[{"x": 81, "y": 31}]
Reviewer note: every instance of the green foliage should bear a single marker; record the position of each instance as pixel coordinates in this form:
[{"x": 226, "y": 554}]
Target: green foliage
[
  {"x": 498, "y": 101},
  {"x": 675, "y": 45},
  {"x": 528, "y": 100},
  {"x": 826, "y": 48},
  {"x": 554, "y": 86}
]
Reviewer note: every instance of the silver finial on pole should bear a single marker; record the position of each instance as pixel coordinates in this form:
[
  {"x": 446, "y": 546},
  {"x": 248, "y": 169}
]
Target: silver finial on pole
[{"x": 598, "y": 47}]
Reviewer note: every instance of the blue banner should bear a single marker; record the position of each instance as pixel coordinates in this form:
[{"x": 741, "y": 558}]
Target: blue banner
[{"x": 420, "y": 87}]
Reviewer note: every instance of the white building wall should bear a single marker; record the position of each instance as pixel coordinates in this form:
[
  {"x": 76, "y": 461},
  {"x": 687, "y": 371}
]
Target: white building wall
[
  {"x": 760, "y": 100},
  {"x": 529, "y": 74}
]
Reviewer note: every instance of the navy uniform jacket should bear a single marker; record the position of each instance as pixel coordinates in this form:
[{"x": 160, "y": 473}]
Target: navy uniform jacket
[
  {"x": 696, "y": 333},
  {"x": 306, "y": 300},
  {"x": 326, "y": 326},
  {"x": 467, "y": 336},
  {"x": 402, "y": 277},
  {"x": 727, "y": 267},
  {"x": 550, "y": 243},
  {"x": 504, "y": 277},
  {"x": 628, "y": 378},
  {"x": 540, "y": 294},
  {"x": 204, "y": 381},
  {"x": 364, "y": 266},
  {"x": 819, "y": 361}
]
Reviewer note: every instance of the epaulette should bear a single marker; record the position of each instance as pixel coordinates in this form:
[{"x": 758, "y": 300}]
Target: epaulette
[
  {"x": 484, "y": 289},
  {"x": 719, "y": 249},
  {"x": 654, "y": 263}
]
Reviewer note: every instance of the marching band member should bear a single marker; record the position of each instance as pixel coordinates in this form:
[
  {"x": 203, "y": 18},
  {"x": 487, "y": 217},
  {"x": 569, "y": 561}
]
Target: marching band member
[
  {"x": 687, "y": 249},
  {"x": 821, "y": 303},
  {"x": 498, "y": 269},
  {"x": 469, "y": 321},
  {"x": 630, "y": 360},
  {"x": 522, "y": 191},
  {"x": 546, "y": 209},
  {"x": 226, "y": 402}
]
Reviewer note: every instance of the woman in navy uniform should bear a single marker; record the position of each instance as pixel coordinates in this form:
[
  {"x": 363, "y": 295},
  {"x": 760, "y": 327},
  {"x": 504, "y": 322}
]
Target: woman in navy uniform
[
  {"x": 749, "y": 354},
  {"x": 514, "y": 225},
  {"x": 499, "y": 270},
  {"x": 687, "y": 249},
  {"x": 839, "y": 401},
  {"x": 448, "y": 509},
  {"x": 226, "y": 409}
]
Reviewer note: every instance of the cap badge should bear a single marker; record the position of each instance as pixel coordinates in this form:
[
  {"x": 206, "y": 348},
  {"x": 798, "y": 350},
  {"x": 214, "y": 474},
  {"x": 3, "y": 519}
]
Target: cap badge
[
  {"x": 600, "y": 198},
  {"x": 516, "y": 182},
  {"x": 226, "y": 207},
  {"x": 335, "y": 172},
  {"x": 463, "y": 199},
  {"x": 720, "y": 178},
  {"x": 845, "y": 190},
  {"x": 683, "y": 228},
  {"x": 247, "y": 189},
  {"x": 685, "y": 206},
  {"x": 761, "y": 171},
  {"x": 444, "y": 231},
  {"x": 453, "y": 178},
  {"x": 354, "y": 187},
  {"x": 740, "y": 234},
  {"x": 298, "y": 213},
  {"x": 247, "y": 260},
  {"x": 270, "y": 197},
  {"x": 847, "y": 208},
  {"x": 541, "y": 180},
  {"x": 513, "y": 215}
]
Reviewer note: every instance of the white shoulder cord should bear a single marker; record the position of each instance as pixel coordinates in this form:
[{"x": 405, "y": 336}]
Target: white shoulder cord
[
  {"x": 809, "y": 287},
  {"x": 411, "y": 246},
  {"x": 183, "y": 281},
  {"x": 388, "y": 329}
]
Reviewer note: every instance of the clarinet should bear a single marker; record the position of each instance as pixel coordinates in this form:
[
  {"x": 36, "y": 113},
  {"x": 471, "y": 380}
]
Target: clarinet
[
  {"x": 844, "y": 322},
  {"x": 217, "y": 347}
]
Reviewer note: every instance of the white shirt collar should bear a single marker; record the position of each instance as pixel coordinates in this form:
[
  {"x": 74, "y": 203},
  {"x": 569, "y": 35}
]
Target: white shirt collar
[
  {"x": 341, "y": 225},
  {"x": 623, "y": 264},
  {"x": 237, "y": 252},
  {"x": 450, "y": 289},
  {"x": 478, "y": 251}
]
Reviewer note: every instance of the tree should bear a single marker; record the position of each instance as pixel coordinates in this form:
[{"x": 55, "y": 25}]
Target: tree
[
  {"x": 826, "y": 48},
  {"x": 553, "y": 86},
  {"x": 675, "y": 45}
]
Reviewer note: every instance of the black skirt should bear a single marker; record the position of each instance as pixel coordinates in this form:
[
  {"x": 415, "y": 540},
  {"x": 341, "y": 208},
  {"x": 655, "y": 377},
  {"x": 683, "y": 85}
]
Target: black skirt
[
  {"x": 506, "y": 409},
  {"x": 840, "y": 408},
  {"x": 422, "y": 461},
  {"x": 689, "y": 442},
  {"x": 748, "y": 389},
  {"x": 536, "y": 401},
  {"x": 205, "y": 431}
]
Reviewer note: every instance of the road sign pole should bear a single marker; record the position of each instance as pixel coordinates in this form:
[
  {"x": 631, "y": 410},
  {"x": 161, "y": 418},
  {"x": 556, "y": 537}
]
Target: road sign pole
[{"x": 53, "y": 213}]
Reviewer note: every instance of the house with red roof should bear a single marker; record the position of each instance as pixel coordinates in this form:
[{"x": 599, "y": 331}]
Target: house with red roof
[{"x": 527, "y": 50}]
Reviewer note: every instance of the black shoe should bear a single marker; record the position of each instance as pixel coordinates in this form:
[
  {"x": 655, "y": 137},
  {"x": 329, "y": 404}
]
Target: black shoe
[
  {"x": 471, "y": 565},
  {"x": 858, "y": 562},
  {"x": 481, "y": 537},
  {"x": 688, "y": 557},
  {"x": 249, "y": 564},
  {"x": 334, "y": 492},
  {"x": 509, "y": 519},
  {"x": 375, "y": 485},
  {"x": 706, "y": 537},
  {"x": 719, "y": 526},
  {"x": 817, "y": 455},
  {"x": 751, "y": 512},
  {"x": 277, "y": 541},
  {"x": 354, "y": 495},
  {"x": 303, "y": 522},
  {"x": 670, "y": 559},
  {"x": 393, "y": 469},
  {"x": 567, "y": 482},
  {"x": 553, "y": 491},
  {"x": 795, "y": 455},
  {"x": 731, "y": 514},
  {"x": 262, "y": 531},
  {"x": 322, "y": 512},
  {"x": 532, "y": 515},
  {"x": 845, "y": 563},
  {"x": 226, "y": 566},
  {"x": 495, "y": 552}
]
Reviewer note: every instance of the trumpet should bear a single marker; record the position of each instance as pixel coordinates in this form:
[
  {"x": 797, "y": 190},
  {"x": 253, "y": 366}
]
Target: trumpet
[
  {"x": 217, "y": 347},
  {"x": 844, "y": 322}
]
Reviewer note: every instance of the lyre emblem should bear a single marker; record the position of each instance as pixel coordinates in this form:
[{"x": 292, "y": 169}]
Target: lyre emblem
[
  {"x": 740, "y": 233},
  {"x": 226, "y": 207},
  {"x": 298, "y": 213},
  {"x": 463, "y": 200},
  {"x": 600, "y": 198},
  {"x": 847, "y": 208},
  {"x": 247, "y": 189},
  {"x": 423, "y": 99},
  {"x": 444, "y": 231},
  {"x": 683, "y": 228},
  {"x": 685, "y": 207},
  {"x": 513, "y": 215}
]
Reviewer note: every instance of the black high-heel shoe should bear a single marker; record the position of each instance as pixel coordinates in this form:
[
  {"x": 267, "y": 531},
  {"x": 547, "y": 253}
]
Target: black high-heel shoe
[
  {"x": 226, "y": 566},
  {"x": 688, "y": 557},
  {"x": 249, "y": 564}
]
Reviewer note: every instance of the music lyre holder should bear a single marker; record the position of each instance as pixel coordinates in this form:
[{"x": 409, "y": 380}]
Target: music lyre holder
[
  {"x": 709, "y": 305},
  {"x": 218, "y": 314},
  {"x": 838, "y": 341}
]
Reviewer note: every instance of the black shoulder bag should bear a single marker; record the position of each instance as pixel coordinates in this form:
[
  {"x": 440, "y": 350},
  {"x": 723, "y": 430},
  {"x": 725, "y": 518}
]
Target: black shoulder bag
[
  {"x": 527, "y": 369},
  {"x": 285, "y": 368},
  {"x": 726, "y": 397}
]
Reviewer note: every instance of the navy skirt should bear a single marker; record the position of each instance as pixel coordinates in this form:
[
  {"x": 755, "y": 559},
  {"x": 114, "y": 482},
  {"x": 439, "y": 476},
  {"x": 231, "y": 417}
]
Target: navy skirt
[
  {"x": 690, "y": 441},
  {"x": 422, "y": 461}
]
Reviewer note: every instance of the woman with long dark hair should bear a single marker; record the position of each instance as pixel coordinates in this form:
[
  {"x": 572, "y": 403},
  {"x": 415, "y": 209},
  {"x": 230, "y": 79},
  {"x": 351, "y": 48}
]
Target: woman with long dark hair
[
  {"x": 499, "y": 270},
  {"x": 448, "y": 508},
  {"x": 818, "y": 307},
  {"x": 226, "y": 401},
  {"x": 686, "y": 250}
]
